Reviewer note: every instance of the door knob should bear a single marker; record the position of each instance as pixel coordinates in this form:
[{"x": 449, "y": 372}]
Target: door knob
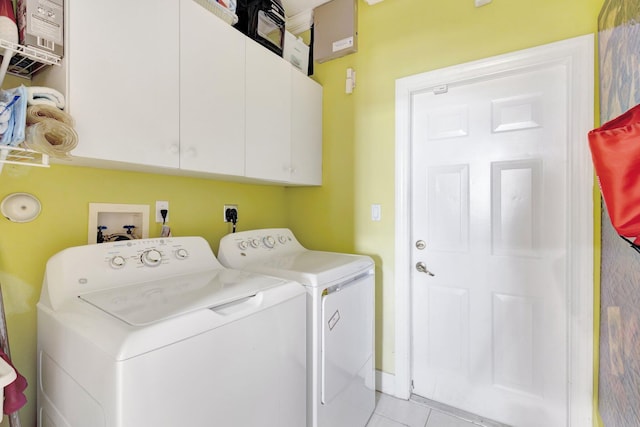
[
  {"x": 422, "y": 268},
  {"x": 420, "y": 244}
]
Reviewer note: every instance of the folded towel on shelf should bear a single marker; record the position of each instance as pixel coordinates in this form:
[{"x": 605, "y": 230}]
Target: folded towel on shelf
[
  {"x": 14, "y": 398},
  {"x": 8, "y": 133},
  {"x": 5, "y": 115},
  {"x": 17, "y": 101},
  {"x": 41, "y": 95}
]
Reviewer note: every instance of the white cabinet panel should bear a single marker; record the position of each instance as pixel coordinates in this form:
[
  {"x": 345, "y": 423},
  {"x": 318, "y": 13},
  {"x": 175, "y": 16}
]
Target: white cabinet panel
[
  {"x": 306, "y": 130},
  {"x": 122, "y": 79},
  {"x": 212, "y": 93},
  {"x": 268, "y": 115}
]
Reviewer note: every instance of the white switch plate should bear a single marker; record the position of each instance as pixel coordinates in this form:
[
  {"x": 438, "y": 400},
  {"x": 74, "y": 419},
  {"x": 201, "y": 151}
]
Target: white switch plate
[
  {"x": 376, "y": 212},
  {"x": 159, "y": 206},
  {"x": 482, "y": 2}
]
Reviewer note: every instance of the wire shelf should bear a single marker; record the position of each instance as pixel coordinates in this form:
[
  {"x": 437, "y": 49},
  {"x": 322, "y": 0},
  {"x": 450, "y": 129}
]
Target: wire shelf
[
  {"x": 26, "y": 60},
  {"x": 22, "y": 156}
]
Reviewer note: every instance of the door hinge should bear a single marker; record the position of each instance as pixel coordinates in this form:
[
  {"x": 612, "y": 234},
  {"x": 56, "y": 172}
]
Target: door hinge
[{"x": 438, "y": 90}]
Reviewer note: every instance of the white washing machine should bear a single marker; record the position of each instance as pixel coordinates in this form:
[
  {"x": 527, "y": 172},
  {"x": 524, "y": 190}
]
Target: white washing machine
[
  {"x": 155, "y": 332},
  {"x": 340, "y": 310}
]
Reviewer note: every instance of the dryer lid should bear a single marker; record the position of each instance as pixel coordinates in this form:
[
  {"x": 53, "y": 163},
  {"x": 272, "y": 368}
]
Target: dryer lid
[
  {"x": 312, "y": 268},
  {"x": 150, "y": 302}
]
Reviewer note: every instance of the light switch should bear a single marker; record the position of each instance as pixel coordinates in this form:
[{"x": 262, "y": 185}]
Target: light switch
[{"x": 376, "y": 212}]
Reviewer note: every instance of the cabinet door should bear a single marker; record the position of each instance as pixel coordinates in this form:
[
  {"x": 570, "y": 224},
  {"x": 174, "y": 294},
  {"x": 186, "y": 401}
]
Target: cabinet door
[
  {"x": 306, "y": 130},
  {"x": 212, "y": 104},
  {"x": 268, "y": 126},
  {"x": 122, "y": 79}
]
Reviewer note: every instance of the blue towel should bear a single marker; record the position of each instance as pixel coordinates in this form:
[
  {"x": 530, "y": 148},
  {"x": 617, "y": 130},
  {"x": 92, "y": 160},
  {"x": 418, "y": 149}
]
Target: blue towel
[
  {"x": 16, "y": 101},
  {"x": 6, "y": 136}
]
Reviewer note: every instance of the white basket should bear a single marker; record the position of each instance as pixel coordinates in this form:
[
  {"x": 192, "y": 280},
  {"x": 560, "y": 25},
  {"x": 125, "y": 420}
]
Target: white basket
[{"x": 220, "y": 11}]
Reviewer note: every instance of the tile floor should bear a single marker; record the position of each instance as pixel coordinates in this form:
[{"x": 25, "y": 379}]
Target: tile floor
[{"x": 393, "y": 412}]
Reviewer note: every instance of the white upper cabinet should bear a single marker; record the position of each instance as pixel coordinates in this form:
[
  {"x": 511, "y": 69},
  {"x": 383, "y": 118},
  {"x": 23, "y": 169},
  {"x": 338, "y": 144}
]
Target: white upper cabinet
[
  {"x": 167, "y": 86},
  {"x": 212, "y": 93},
  {"x": 306, "y": 130},
  {"x": 121, "y": 76},
  {"x": 268, "y": 97}
]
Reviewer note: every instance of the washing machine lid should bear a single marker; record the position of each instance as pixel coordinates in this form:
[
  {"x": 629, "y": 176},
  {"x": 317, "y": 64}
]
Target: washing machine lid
[
  {"x": 150, "y": 302},
  {"x": 312, "y": 268}
]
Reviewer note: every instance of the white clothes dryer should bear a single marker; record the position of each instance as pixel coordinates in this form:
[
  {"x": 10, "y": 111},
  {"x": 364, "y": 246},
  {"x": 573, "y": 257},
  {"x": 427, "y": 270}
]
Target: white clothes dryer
[
  {"x": 340, "y": 288},
  {"x": 155, "y": 332}
]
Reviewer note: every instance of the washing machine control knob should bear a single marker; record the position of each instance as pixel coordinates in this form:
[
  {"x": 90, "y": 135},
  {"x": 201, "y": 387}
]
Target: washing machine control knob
[
  {"x": 151, "y": 258},
  {"x": 282, "y": 239},
  {"x": 182, "y": 253},
  {"x": 243, "y": 245},
  {"x": 117, "y": 261},
  {"x": 269, "y": 242},
  {"x": 254, "y": 243}
]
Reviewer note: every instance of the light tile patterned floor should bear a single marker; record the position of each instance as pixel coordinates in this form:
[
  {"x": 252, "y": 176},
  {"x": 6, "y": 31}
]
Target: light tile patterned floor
[{"x": 393, "y": 412}]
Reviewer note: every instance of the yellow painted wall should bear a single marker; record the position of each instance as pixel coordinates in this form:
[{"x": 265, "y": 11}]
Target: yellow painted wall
[{"x": 398, "y": 38}]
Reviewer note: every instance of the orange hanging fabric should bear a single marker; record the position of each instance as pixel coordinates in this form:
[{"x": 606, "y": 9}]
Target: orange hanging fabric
[{"x": 615, "y": 150}]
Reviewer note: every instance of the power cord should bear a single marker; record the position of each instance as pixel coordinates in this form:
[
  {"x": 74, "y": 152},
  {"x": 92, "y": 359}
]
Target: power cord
[
  {"x": 166, "y": 230},
  {"x": 232, "y": 217}
]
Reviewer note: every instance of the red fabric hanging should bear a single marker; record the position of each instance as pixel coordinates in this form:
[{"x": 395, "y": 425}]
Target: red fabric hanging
[
  {"x": 615, "y": 150},
  {"x": 14, "y": 398}
]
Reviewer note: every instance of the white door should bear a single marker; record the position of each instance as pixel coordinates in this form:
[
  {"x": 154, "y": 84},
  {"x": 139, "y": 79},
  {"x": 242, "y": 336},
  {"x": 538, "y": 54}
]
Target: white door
[
  {"x": 124, "y": 110},
  {"x": 489, "y": 201},
  {"x": 268, "y": 114},
  {"x": 212, "y": 104},
  {"x": 306, "y": 130}
]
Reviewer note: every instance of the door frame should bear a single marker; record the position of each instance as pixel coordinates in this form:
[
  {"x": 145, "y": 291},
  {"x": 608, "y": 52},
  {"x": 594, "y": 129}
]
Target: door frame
[{"x": 577, "y": 56}]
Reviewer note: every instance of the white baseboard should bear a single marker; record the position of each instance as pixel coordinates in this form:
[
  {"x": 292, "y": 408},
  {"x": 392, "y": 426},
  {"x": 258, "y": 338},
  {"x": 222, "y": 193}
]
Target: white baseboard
[{"x": 385, "y": 382}]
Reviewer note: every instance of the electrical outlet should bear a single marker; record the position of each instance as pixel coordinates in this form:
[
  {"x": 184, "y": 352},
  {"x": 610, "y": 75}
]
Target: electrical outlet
[
  {"x": 159, "y": 206},
  {"x": 226, "y": 208}
]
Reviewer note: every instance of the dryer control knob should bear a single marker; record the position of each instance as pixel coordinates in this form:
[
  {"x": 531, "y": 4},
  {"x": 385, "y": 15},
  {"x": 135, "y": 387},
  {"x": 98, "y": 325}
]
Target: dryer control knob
[
  {"x": 243, "y": 245},
  {"x": 182, "y": 253},
  {"x": 117, "y": 261},
  {"x": 282, "y": 239},
  {"x": 269, "y": 242},
  {"x": 254, "y": 243},
  {"x": 151, "y": 258}
]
